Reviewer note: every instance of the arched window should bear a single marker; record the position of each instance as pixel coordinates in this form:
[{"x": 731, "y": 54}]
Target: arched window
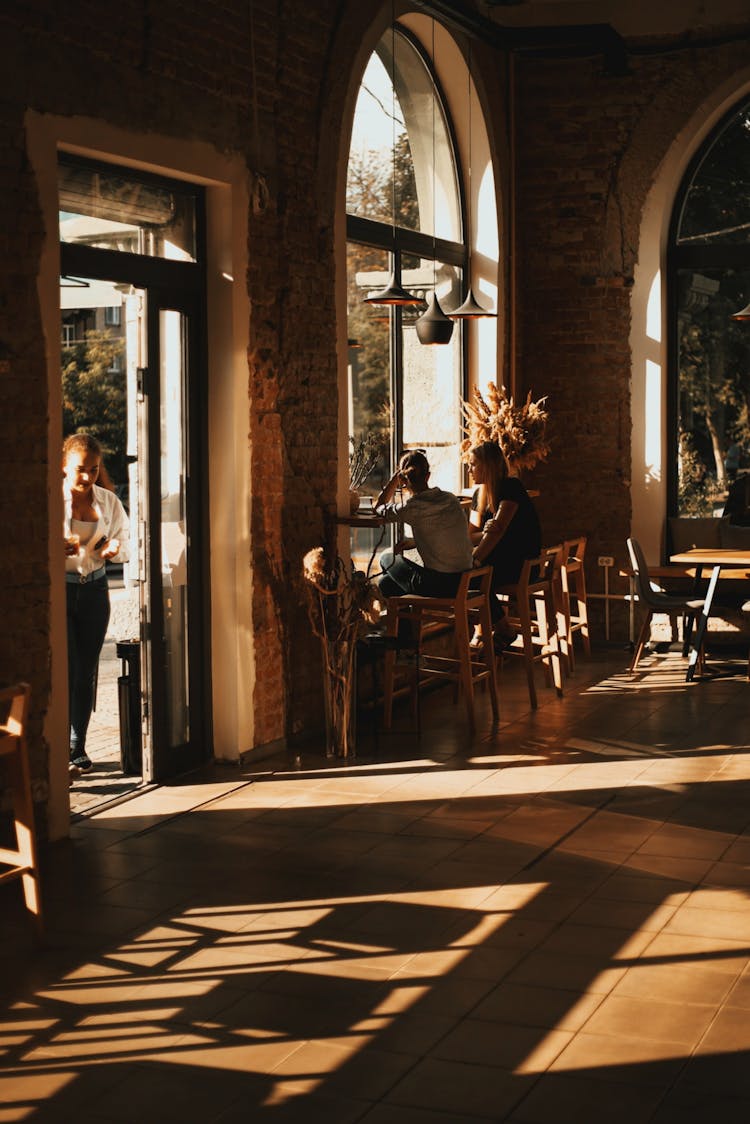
[
  {"x": 403, "y": 211},
  {"x": 709, "y": 274}
]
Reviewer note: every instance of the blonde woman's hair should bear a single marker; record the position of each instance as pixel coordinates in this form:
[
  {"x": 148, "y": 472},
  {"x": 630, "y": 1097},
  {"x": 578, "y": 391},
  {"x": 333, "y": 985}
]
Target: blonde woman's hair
[{"x": 492, "y": 458}]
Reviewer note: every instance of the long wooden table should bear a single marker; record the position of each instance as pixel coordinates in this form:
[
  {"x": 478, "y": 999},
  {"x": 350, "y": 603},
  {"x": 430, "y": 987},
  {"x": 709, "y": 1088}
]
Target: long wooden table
[{"x": 717, "y": 560}]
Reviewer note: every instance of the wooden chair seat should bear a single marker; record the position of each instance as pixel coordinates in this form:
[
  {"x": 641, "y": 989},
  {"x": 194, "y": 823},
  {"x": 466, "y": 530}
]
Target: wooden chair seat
[
  {"x": 20, "y": 860},
  {"x": 466, "y": 667}
]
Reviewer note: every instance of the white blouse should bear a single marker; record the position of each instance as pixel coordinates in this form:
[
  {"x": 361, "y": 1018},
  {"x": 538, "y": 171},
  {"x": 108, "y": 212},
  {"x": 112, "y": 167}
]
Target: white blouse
[{"x": 113, "y": 523}]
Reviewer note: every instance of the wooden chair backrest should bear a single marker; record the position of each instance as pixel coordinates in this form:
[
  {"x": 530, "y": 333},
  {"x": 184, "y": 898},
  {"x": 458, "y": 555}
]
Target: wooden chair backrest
[
  {"x": 575, "y": 551},
  {"x": 14, "y": 710}
]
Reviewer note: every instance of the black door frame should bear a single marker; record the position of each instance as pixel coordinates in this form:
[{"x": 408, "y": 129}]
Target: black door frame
[{"x": 179, "y": 286}]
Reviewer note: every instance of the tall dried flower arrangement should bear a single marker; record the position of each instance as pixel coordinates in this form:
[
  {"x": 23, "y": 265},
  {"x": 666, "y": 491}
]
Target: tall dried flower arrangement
[
  {"x": 340, "y": 600},
  {"x": 520, "y": 431}
]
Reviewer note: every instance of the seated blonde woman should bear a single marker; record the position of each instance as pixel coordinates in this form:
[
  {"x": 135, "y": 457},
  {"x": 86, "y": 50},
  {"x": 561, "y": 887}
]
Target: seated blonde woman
[
  {"x": 505, "y": 528},
  {"x": 439, "y": 527}
]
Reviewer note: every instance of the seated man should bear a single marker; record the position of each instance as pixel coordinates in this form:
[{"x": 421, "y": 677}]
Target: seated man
[{"x": 440, "y": 529}]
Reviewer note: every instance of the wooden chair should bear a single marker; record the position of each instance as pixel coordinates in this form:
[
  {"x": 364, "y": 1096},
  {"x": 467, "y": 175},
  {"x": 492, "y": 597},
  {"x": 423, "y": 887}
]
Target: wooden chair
[
  {"x": 21, "y": 859},
  {"x": 533, "y": 611},
  {"x": 574, "y": 602},
  {"x": 655, "y": 600},
  {"x": 467, "y": 666}
]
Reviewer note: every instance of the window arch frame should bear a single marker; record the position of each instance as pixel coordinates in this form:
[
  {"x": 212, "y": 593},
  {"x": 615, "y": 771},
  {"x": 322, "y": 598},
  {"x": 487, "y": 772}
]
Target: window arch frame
[
  {"x": 398, "y": 241},
  {"x": 727, "y": 255}
]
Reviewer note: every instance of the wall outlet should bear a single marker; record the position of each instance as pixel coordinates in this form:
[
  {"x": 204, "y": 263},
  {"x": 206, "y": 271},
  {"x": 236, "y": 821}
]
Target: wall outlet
[{"x": 606, "y": 560}]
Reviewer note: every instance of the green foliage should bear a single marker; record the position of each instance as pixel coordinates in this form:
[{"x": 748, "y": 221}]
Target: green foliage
[
  {"x": 696, "y": 489},
  {"x": 714, "y": 350},
  {"x": 94, "y": 396}
]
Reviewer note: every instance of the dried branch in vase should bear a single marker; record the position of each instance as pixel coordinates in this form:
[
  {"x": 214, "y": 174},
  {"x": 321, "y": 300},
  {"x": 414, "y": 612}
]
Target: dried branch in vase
[
  {"x": 520, "y": 431},
  {"x": 340, "y": 600},
  {"x": 366, "y": 450}
]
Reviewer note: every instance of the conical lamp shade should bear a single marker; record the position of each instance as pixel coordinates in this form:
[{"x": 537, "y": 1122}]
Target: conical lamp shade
[
  {"x": 743, "y": 314},
  {"x": 433, "y": 325},
  {"x": 393, "y": 293},
  {"x": 470, "y": 309}
]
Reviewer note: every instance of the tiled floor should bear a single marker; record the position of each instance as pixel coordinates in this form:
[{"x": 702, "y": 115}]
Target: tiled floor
[
  {"x": 106, "y": 780},
  {"x": 547, "y": 923}
]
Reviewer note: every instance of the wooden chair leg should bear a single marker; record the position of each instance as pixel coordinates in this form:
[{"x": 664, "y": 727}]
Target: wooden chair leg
[
  {"x": 463, "y": 653},
  {"x": 564, "y": 623},
  {"x": 488, "y": 656},
  {"x": 540, "y": 609},
  {"x": 642, "y": 639},
  {"x": 524, "y": 616},
  {"x": 583, "y": 613},
  {"x": 389, "y": 669},
  {"x": 554, "y": 657},
  {"x": 549, "y": 640},
  {"x": 23, "y": 810},
  {"x": 22, "y": 860}
]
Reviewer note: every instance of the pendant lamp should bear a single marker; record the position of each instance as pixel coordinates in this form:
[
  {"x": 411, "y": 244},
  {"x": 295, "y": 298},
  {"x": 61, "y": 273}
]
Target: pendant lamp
[
  {"x": 433, "y": 326},
  {"x": 471, "y": 309},
  {"x": 394, "y": 293},
  {"x": 742, "y": 315}
]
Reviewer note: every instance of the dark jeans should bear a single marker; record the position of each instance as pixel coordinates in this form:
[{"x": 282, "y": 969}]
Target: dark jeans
[
  {"x": 400, "y": 575},
  {"x": 88, "y": 617}
]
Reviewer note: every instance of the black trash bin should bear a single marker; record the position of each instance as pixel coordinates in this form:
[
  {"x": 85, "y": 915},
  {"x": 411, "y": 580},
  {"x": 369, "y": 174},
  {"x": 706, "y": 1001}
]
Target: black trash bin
[{"x": 129, "y": 700}]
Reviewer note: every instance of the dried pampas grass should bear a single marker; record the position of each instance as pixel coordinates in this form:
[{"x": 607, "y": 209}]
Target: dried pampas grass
[{"x": 520, "y": 431}]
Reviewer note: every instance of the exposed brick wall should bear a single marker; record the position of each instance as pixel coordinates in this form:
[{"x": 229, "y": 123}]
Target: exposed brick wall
[
  {"x": 24, "y": 579},
  {"x": 185, "y": 69},
  {"x": 589, "y": 148},
  {"x": 588, "y": 151}
]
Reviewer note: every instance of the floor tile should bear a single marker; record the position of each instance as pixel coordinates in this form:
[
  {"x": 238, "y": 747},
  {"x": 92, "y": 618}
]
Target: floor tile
[
  {"x": 651, "y": 1018},
  {"x": 456, "y": 1087},
  {"x": 569, "y": 1099},
  {"x": 548, "y": 922}
]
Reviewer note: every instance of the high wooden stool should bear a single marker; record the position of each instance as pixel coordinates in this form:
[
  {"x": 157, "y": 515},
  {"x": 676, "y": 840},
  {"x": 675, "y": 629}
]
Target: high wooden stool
[
  {"x": 535, "y": 616},
  {"x": 574, "y": 603},
  {"x": 467, "y": 667},
  {"x": 21, "y": 860}
]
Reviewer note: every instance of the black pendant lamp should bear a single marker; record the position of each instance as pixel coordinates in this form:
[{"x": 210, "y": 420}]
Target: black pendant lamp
[
  {"x": 742, "y": 315},
  {"x": 433, "y": 326},
  {"x": 394, "y": 293},
  {"x": 471, "y": 309}
]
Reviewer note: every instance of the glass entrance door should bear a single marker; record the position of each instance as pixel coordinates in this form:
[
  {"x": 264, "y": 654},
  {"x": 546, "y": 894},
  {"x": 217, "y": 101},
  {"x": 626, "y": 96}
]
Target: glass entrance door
[
  {"x": 132, "y": 290},
  {"x": 129, "y": 375},
  {"x": 169, "y": 505}
]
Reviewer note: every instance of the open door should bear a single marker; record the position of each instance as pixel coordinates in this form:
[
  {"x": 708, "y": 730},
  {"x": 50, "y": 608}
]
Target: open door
[{"x": 131, "y": 295}]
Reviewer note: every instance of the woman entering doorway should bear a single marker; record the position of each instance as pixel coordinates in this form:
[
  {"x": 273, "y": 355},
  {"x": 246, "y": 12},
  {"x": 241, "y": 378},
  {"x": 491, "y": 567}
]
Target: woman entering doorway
[{"x": 96, "y": 532}]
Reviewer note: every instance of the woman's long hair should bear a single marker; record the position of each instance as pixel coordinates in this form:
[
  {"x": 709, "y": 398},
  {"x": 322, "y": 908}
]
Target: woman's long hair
[
  {"x": 491, "y": 457},
  {"x": 85, "y": 443}
]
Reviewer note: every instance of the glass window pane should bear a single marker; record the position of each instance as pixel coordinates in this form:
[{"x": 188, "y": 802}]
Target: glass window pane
[
  {"x": 174, "y": 529},
  {"x": 717, "y": 206},
  {"x": 111, "y": 208},
  {"x": 369, "y": 372},
  {"x": 432, "y": 385},
  {"x": 401, "y": 163},
  {"x": 714, "y": 387}
]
